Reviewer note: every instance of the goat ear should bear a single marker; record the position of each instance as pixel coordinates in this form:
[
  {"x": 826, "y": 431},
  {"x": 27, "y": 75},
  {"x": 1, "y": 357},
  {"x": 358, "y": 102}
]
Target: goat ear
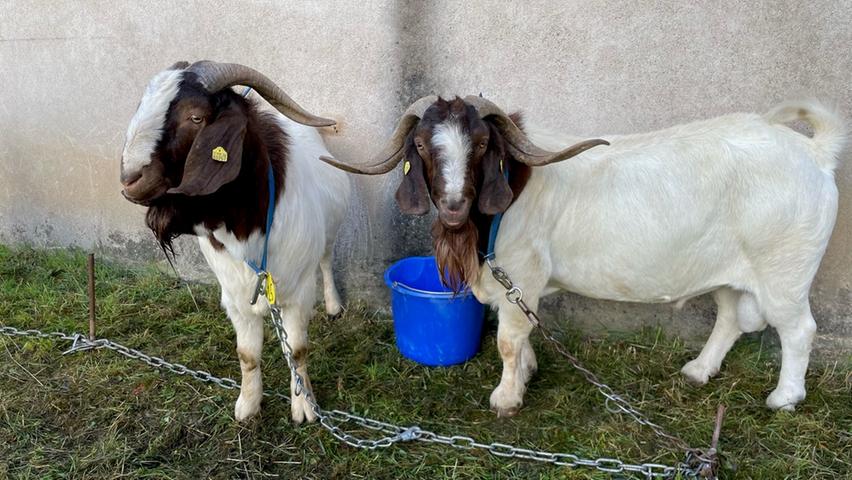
[
  {"x": 216, "y": 155},
  {"x": 412, "y": 196},
  {"x": 496, "y": 195}
]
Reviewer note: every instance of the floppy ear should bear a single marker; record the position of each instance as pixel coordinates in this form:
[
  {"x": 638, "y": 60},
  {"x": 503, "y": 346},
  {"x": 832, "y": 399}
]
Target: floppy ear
[
  {"x": 412, "y": 196},
  {"x": 495, "y": 196},
  {"x": 216, "y": 154}
]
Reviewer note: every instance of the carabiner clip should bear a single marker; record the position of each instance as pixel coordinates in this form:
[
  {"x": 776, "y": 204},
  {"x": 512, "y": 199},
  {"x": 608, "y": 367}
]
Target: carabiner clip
[{"x": 260, "y": 287}]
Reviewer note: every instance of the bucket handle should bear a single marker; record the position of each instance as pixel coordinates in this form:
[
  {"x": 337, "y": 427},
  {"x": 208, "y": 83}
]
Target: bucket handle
[{"x": 427, "y": 292}]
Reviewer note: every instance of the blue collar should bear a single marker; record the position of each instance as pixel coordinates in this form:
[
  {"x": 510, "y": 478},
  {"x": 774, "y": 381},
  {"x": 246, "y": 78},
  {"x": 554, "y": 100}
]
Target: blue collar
[
  {"x": 495, "y": 223},
  {"x": 265, "y": 285},
  {"x": 270, "y": 214}
]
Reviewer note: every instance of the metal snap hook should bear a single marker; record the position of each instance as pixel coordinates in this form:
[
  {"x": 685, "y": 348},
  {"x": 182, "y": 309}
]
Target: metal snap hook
[{"x": 514, "y": 295}]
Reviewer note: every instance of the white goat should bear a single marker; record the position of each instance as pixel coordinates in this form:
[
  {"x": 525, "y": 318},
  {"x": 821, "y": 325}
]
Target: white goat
[{"x": 740, "y": 205}]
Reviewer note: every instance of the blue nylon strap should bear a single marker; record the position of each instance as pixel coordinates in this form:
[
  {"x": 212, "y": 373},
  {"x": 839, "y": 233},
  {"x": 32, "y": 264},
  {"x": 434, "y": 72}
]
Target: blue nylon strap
[
  {"x": 492, "y": 234},
  {"x": 495, "y": 223},
  {"x": 270, "y": 213}
]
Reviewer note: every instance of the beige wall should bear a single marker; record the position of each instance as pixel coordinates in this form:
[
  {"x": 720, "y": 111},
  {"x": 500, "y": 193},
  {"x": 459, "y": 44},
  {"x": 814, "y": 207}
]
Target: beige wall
[{"x": 72, "y": 72}]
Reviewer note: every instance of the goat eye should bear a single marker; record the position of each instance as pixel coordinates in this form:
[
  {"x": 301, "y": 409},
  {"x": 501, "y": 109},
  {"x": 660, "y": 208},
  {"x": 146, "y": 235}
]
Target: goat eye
[
  {"x": 482, "y": 145},
  {"x": 419, "y": 146},
  {"x": 195, "y": 119}
]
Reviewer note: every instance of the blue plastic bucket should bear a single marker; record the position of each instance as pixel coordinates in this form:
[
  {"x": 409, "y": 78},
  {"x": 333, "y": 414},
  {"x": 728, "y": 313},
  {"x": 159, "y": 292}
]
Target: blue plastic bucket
[{"x": 432, "y": 326}]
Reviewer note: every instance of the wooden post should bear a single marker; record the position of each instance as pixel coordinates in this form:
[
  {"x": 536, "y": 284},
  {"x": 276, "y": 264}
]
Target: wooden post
[{"x": 91, "y": 269}]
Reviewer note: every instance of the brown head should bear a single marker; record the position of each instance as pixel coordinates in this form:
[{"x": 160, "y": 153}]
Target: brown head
[
  {"x": 193, "y": 142},
  {"x": 454, "y": 153},
  {"x": 186, "y": 113}
]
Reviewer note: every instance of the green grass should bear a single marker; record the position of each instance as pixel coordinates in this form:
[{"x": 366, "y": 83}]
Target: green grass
[{"x": 98, "y": 415}]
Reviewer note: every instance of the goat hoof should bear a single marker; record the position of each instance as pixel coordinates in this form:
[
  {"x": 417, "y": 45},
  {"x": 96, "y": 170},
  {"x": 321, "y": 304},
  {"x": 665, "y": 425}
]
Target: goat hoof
[
  {"x": 334, "y": 310},
  {"x": 785, "y": 398},
  {"x": 301, "y": 411},
  {"x": 246, "y": 408},
  {"x": 333, "y": 307},
  {"x": 505, "y": 404},
  {"x": 506, "y": 412},
  {"x": 696, "y": 373}
]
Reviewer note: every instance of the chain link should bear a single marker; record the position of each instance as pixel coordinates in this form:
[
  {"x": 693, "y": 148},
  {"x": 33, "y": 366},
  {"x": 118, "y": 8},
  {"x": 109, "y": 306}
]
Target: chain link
[{"x": 332, "y": 420}]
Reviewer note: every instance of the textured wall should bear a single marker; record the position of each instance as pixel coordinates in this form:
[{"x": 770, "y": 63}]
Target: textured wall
[{"x": 72, "y": 73}]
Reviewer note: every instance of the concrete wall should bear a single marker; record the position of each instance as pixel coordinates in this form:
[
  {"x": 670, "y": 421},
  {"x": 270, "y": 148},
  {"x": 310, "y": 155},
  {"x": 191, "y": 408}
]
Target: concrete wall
[{"x": 72, "y": 73}]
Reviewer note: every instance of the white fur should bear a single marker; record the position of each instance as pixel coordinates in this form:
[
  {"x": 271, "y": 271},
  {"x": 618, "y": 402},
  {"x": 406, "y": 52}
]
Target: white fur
[
  {"x": 307, "y": 217},
  {"x": 146, "y": 126},
  {"x": 739, "y": 204},
  {"x": 454, "y": 148}
]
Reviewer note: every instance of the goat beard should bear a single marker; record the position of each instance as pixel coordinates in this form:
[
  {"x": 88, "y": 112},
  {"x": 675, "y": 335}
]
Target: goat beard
[
  {"x": 456, "y": 254},
  {"x": 160, "y": 218}
]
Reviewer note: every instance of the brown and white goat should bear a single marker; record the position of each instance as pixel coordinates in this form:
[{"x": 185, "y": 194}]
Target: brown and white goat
[
  {"x": 197, "y": 155},
  {"x": 739, "y": 205}
]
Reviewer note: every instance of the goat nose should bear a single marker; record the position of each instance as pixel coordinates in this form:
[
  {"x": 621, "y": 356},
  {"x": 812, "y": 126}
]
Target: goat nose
[
  {"x": 454, "y": 205},
  {"x": 128, "y": 180}
]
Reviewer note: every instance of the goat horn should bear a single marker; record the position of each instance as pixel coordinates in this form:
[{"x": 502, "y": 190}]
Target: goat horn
[
  {"x": 215, "y": 76},
  {"x": 521, "y": 146},
  {"x": 394, "y": 150},
  {"x": 179, "y": 66}
]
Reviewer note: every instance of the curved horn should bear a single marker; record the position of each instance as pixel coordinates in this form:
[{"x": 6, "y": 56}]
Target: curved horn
[
  {"x": 521, "y": 146},
  {"x": 394, "y": 150},
  {"x": 181, "y": 65},
  {"x": 215, "y": 76}
]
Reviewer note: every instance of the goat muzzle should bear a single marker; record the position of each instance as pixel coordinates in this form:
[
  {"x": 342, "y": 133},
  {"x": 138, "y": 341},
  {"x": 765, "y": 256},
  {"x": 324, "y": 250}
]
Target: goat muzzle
[
  {"x": 146, "y": 185},
  {"x": 129, "y": 180}
]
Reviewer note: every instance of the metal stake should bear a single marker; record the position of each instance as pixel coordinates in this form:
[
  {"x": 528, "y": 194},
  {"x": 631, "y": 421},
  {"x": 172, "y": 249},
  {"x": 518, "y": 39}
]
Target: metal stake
[{"x": 91, "y": 268}]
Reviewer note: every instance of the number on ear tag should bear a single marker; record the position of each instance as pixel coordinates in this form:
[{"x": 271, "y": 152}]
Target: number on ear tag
[
  {"x": 220, "y": 154},
  {"x": 406, "y": 167},
  {"x": 270, "y": 289}
]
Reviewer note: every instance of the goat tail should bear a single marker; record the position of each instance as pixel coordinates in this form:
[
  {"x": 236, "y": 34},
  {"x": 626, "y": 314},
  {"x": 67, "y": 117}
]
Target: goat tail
[{"x": 829, "y": 127}]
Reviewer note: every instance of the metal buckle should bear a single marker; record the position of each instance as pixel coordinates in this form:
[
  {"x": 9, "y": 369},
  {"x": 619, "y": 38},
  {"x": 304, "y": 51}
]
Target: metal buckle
[{"x": 259, "y": 287}]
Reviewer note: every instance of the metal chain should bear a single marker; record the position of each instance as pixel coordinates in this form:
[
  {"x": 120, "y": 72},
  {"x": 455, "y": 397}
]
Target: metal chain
[
  {"x": 702, "y": 462},
  {"x": 398, "y": 433},
  {"x": 81, "y": 343},
  {"x": 332, "y": 420}
]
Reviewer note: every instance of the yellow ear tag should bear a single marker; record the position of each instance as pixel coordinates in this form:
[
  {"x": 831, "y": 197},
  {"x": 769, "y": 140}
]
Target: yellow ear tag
[
  {"x": 501, "y": 165},
  {"x": 406, "y": 167},
  {"x": 220, "y": 154},
  {"x": 270, "y": 289}
]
